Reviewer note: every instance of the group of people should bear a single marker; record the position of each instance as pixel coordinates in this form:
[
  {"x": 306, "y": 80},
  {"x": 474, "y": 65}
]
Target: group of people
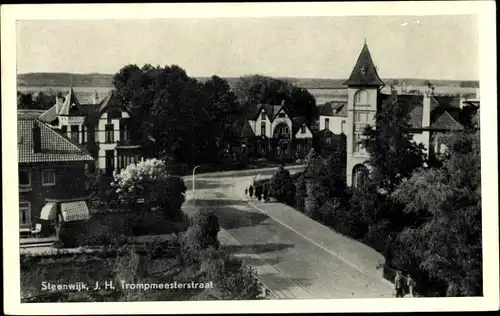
[
  {"x": 401, "y": 283},
  {"x": 262, "y": 194}
]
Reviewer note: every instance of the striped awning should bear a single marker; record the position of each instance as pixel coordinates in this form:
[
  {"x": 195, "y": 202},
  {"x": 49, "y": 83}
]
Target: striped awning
[
  {"x": 75, "y": 211},
  {"x": 49, "y": 211}
]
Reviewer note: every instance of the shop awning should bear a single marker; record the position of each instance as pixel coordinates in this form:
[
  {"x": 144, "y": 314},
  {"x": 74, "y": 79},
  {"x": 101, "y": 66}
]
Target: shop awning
[
  {"x": 49, "y": 211},
  {"x": 75, "y": 211}
]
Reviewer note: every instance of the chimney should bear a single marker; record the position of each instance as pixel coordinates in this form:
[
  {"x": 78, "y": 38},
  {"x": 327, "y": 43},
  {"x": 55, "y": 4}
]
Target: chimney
[
  {"x": 37, "y": 137},
  {"x": 282, "y": 102}
]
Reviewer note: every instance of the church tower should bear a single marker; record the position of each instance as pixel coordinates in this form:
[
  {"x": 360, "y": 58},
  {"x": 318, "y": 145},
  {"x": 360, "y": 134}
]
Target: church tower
[{"x": 363, "y": 88}]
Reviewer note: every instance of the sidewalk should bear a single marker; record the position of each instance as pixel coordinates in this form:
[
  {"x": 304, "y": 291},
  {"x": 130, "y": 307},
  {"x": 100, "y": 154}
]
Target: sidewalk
[
  {"x": 241, "y": 173},
  {"x": 357, "y": 255}
]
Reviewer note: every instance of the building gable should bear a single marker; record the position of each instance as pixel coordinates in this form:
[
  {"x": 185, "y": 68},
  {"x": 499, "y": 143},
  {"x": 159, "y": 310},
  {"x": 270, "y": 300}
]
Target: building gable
[{"x": 364, "y": 72}]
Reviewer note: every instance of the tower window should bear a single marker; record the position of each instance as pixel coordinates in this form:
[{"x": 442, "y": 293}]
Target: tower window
[{"x": 361, "y": 97}]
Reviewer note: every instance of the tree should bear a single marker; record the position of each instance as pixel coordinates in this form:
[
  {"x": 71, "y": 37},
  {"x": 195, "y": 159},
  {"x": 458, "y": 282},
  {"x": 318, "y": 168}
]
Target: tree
[
  {"x": 282, "y": 188},
  {"x": 175, "y": 115},
  {"x": 315, "y": 182},
  {"x": 336, "y": 168},
  {"x": 149, "y": 180},
  {"x": 447, "y": 243},
  {"x": 300, "y": 192},
  {"x": 393, "y": 153},
  {"x": 254, "y": 89}
]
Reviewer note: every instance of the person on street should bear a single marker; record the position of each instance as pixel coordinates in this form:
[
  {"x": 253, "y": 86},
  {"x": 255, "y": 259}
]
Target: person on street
[
  {"x": 399, "y": 284},
  {"x": 411, "y": 285},
  {"x": 246, "y": 191},
  {"x": 258, "y": 193},
  {"x": 250, "y": 191},
  {"x": 265, "y": 194}
]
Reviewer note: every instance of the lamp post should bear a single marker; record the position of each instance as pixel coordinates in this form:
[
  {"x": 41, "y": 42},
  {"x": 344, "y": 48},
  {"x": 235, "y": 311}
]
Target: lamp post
[{"x": 194, "y": 170}]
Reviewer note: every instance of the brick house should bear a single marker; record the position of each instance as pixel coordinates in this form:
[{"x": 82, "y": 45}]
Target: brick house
[{"x": 52, "y": 176}]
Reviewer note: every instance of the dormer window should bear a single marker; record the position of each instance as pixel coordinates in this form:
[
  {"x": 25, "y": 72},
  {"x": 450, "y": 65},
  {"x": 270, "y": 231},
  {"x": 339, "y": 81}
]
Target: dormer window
[{"x": 282, "y": 115}]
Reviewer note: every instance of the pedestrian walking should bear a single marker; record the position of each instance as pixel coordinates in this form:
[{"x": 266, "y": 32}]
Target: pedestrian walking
[
  {"x": 411, "y": 285},
  {"x": 258, "y": 193},
  {"x": 265, "y": 194},
  {"x": 399, "y": 284},
  {"x": 250, "y": 191},
  {"x": 246, "y": 191}
]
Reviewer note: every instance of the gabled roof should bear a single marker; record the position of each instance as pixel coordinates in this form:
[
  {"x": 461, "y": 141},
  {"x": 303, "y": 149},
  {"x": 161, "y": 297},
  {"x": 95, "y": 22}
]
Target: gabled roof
[
  {"x": 54, "y": 146},
  {"x": 247, "y": 131},
  {"x": 70, "y": 101},
  {"x": 271, "y": 111},
  {"x": 333, "y": 108},
  {"x": 111, "y": 101},
  {"x": 50, "y": 115},
  {"x": 297, "y": 123},
  {"x": 446, "y": 122},
  {"x": 364, "y": 72}
]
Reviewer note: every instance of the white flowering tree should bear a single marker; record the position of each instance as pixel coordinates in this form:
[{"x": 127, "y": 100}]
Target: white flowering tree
[{"x": 148, "y": 182}]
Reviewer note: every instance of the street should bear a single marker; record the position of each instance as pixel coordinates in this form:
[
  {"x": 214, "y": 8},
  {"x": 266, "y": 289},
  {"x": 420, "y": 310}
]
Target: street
[{"x": 294, "y": 256}]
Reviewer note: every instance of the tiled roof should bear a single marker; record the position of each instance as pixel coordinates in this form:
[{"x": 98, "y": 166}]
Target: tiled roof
[
  {"x": 110, "y": 101},
  {"x": 364, "y": 72},
  {"x": 54, "y": 146}
]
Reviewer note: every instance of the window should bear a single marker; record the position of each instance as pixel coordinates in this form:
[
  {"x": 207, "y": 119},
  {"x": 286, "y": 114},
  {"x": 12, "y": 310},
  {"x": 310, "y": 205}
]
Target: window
[
  {"x": 263, "y": 116},
  {"x": 74, "y": 130},
  {"x": 24, "y": 179},
  {"x": 84, "y": 135},
  {"x": 282, "y": 114},
  {"x": 286, "y": 131},
  {"x": 361, "y": 116},
  {"x": 48, "y": 177},
  {"x": 361, "y": 97},
  {"x": 123, "y": 131},
  {"x": 24, "y": 213},
  {"x": 263, "y": 129},
  {"x": 108, "y": 118},
  {"x": 358, "y": 148},
  {"x": 110, "y": 137},
  {"x": 342, "y": 127},
  {"x": 328, "y": 141},
  {"x": 303, "y": 129},
  {"x": 327, "y": 123}
]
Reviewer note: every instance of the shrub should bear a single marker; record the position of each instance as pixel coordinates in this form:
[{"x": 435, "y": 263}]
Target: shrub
[
  {"x": 281, "y": 186},
  {"x": 300, "y": 191},
  {"x": 92, "y": 233},
  {"x": 232, "y": 280},
  {"x": 201, "y": 234},
  {"x": 149, "y": 181},
  {"x": 129, "y": 266}
]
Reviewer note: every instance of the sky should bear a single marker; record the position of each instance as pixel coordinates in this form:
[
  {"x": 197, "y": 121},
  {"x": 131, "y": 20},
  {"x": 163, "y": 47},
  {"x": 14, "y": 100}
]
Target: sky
[{"x": 427, "y": 47}]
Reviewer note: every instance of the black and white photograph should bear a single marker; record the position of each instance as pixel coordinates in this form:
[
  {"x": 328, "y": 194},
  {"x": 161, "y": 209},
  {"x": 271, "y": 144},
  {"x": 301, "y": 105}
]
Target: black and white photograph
[{"x": 334, "y": 156}]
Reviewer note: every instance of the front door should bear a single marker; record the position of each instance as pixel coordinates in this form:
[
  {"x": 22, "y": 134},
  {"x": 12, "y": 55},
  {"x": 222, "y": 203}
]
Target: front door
[{"x": 110, "y": 161}]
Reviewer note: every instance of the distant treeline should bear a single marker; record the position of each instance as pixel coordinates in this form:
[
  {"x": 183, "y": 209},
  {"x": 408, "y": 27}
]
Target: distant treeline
[{"x": 106, "y": 80}]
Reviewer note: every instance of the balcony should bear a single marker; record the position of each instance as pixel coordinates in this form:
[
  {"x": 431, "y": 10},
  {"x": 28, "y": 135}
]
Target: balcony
[{"x": 127, "y": 143}]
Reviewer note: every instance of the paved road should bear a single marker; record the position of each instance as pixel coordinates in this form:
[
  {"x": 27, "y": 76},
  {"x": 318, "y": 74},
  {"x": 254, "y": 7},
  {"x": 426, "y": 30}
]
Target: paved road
[{"x": 294, "y": 256}]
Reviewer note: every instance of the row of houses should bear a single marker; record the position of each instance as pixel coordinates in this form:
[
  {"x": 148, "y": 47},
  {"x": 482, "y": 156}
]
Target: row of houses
[{"x": 62, "y": 147}]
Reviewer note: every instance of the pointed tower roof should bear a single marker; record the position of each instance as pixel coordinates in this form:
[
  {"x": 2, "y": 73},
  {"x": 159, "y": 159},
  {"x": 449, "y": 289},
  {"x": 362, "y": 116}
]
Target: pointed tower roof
[
  {"x": 69, "y": 101},
  {"x": 364, "y": 72}
]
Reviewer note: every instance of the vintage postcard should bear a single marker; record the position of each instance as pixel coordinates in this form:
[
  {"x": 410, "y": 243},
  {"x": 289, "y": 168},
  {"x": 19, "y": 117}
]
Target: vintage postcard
[{"x": 251, "y": 157}]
